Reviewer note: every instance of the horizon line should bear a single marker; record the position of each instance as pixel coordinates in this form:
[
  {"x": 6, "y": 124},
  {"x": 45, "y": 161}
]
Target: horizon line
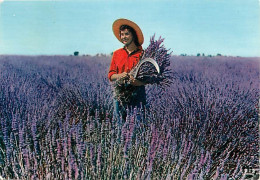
[{"x": 110, "y": 54}]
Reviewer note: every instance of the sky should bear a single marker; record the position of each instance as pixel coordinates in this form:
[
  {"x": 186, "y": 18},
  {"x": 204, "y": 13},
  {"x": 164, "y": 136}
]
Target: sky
[{"x": 49, "y": 27}]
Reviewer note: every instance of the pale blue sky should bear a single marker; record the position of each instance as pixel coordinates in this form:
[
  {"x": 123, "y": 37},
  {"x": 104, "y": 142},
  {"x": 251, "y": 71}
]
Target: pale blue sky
[{"x": 40, "y": 27}]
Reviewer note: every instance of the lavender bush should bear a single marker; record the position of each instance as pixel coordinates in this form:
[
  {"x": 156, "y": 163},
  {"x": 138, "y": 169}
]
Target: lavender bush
[{"x": 57, "y": 122}]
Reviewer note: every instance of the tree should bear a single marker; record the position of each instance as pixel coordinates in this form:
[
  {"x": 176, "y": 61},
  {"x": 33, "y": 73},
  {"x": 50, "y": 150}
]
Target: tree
[{"x": 76, "y": 53}]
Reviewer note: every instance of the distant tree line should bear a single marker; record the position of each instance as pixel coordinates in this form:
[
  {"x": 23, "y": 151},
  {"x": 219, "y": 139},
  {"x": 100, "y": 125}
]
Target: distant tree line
[
  {"x": 76, "y": 53},
  {"x": 199, "y": 54}
]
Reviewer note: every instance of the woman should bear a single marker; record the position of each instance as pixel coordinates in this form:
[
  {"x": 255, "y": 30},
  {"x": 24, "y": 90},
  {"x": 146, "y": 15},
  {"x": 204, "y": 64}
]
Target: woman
[{"x": 123, "y": 61}]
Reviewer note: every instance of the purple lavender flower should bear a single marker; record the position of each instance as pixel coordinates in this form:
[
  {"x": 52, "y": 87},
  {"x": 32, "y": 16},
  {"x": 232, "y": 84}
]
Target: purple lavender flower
[
  {"x": 35, "y": 136},
  {"x": 209, "y": 108},
  {"x": 147, "y": 73},
  {"x": 59, "y": 150},
  {"x": 99, "y": 157}
]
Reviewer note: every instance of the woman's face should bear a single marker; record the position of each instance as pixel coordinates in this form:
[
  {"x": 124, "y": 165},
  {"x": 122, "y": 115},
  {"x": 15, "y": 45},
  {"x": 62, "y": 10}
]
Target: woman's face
[{"x": 126, "y": 37}]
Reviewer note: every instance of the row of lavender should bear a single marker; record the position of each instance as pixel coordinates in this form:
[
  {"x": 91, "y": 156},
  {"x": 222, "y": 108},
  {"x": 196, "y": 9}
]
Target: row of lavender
[{"x": 57, "y": 123}]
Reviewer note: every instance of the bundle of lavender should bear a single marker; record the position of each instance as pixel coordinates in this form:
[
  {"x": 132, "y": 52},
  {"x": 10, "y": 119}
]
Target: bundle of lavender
[
  {"x": 153, "y": 68},
  {"x": 124, "y": 90}
]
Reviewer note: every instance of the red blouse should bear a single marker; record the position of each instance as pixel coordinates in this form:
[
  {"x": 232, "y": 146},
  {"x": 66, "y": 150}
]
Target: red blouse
[{"x": 122, "y": 61}]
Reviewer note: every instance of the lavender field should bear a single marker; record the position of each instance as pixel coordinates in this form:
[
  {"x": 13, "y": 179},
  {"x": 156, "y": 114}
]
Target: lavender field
[{"x": 57, "y": 122}]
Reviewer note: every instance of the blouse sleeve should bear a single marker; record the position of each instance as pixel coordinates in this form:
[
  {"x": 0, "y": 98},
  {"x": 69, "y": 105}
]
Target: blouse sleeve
[{"x": 112, "y": 69}]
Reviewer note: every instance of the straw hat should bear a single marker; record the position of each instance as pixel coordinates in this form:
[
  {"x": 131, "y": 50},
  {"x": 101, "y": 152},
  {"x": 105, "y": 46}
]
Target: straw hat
[{"x": 119, "y": 22}]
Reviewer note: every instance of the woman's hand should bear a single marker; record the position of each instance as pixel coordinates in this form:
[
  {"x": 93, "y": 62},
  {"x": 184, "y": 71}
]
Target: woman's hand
[
  {"x": 123, "y": 75},
  {"x": 115, "y": 77},
  {"x": 135, "y": 82}
]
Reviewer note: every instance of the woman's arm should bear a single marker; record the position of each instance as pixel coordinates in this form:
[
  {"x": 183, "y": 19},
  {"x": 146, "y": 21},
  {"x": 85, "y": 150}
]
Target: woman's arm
[
  {"x": 115, "y": 77},
  {"x": 136, "y": 82},
  {"x": 132, "y": 80}
]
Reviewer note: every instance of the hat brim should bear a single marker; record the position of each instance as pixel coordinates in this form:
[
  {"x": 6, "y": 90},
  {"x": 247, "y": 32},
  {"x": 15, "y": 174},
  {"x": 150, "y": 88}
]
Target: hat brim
[{"x": 119, "y": 22}]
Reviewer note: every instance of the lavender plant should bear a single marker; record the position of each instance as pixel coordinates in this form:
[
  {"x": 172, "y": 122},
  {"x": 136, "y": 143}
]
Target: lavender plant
[{"x": 57, "y": 123}]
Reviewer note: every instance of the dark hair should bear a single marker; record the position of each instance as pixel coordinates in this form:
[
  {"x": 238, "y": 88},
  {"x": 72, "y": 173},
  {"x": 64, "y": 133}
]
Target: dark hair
[{"x": 123, "y": 27}]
